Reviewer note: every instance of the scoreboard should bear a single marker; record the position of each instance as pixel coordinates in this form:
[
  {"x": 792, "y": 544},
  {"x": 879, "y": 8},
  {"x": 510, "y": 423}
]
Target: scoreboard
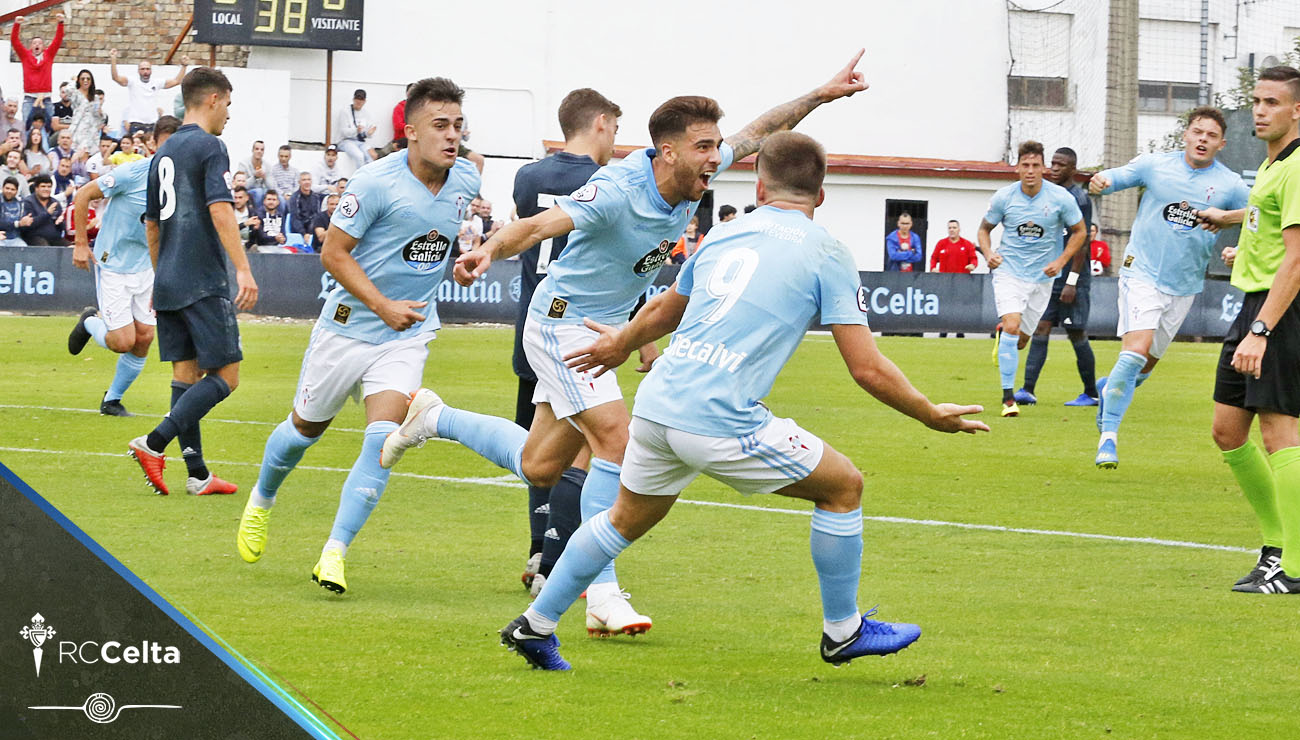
[{"x": 310, "y": 24}]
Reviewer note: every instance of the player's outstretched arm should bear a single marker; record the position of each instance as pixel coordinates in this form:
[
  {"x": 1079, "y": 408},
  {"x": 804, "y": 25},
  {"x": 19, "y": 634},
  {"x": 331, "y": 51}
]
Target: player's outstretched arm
[
  {"x": 81, "y": 210},
  {"x": 882, "y": 379},
  {"x": 511, "y": 240},
  {"x": 984, "y": 238},
  {"x": 336, "y": 257},
  {"x": 785, "y": 117},
  {"x": 223, "y": 220},
  {"x": 659, "y": 316},
  {"x": 1214, "y": 219}
]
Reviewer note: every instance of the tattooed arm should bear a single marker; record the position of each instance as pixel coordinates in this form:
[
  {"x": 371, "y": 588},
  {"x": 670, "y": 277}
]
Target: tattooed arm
[{"x": 784, "y": 117}]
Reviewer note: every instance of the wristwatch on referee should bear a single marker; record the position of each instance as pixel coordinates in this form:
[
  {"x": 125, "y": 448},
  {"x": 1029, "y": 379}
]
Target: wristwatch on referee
[{"x": 1260, "y": 329}]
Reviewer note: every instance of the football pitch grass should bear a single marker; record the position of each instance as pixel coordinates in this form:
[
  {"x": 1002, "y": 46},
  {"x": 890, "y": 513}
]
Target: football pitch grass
[{"x": 1027, "y": 634}]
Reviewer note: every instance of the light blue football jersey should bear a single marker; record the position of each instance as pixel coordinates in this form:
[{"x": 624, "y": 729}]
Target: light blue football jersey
[
  {"x": 1033, "y": 229},
  {"x": 756, "y": 285},
  {"x": 623, "y": 232},
  {"x": 1167, "y": 248},
  {"x": 404, "y": 234},
  {"x": 120, "y": 245}
]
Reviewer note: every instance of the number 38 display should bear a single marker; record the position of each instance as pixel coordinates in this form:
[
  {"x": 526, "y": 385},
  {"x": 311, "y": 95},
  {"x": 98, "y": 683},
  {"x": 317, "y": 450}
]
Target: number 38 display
[{"x": 311, "y": 24}]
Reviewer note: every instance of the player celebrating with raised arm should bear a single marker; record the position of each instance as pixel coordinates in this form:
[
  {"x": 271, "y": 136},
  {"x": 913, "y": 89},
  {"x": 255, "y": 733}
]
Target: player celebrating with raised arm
[
  {"x": 1034, "y": 215},
  {"x": 1259, "y": 367},
  {"x": 123, "y": 273},
  {"x": 1164, "y": 264},
  {"x": 189, "y": 222},
  {"x": 625, "y": 221},
  {"x": 387, "y": 247},
  {"x": 740, "y": 306}
]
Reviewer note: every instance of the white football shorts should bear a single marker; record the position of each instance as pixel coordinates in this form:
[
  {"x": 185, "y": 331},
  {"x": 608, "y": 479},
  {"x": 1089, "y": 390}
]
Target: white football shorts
[
  {"x": 335, "y": 367},
  {"x": 566, "y": 390},
  {"x": 1014, "y": 295},
  {"x": 661, "y": 461},
  {"x": 124, "y": 297},
  {"x": 1143, "y": 306}
]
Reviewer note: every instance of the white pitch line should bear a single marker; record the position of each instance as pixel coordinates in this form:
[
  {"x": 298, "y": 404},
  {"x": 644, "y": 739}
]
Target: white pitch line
[
  {"x": 158, "y": 416},
  {"x": 509, "y": 481}
]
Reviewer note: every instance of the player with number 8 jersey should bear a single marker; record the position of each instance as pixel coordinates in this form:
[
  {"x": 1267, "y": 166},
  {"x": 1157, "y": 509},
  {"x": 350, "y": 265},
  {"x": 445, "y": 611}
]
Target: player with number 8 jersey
[{"x": 189, "y": 224}]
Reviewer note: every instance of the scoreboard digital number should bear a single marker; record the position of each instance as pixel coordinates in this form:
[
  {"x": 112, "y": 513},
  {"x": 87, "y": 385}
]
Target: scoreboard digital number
[{"x": 309, "y": 24}]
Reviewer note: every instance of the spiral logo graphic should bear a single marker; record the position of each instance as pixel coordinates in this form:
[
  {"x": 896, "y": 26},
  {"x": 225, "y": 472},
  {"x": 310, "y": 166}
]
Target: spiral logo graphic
[{"x": 102, "y": 709}]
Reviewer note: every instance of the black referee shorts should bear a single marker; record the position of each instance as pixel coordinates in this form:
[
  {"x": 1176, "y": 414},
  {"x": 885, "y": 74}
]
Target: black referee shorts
[
  {"x": 1278, "y": 386},
  {"x": 205, "y": 330}
]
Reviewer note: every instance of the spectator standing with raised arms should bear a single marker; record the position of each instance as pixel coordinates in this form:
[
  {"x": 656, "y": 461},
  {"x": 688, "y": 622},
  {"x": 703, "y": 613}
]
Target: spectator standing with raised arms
[
  {"x": 37, "y": 61},
  {"x": 141, "y": 93}
]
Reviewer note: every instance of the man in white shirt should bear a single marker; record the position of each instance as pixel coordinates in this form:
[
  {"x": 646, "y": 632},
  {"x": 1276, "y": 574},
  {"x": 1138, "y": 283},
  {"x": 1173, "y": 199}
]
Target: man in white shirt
[
  {"x": 353, "y": 128},
  {"x": 99, "y": 164},
  {"x": 326, "y": 173},
  {"x": 256, "y": 170},
  {"x": 142, "y": 106}
]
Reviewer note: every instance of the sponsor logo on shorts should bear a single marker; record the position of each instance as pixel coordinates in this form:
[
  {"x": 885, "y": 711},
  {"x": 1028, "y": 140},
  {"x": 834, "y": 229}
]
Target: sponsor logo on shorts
[
  {"x": 1181, "y": 216},
  {"x": 1030, "y": 230},
  {"x": 342, "y": 313},
  {"x": 584, "y": 194},
  {"x": 427, "y": 251},
  {"x": 349, "y": 205},
  {"x": 654, "y": 259}
]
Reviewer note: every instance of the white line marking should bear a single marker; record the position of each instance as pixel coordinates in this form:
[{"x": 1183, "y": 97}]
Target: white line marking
[{"x": 509, "y": 481}]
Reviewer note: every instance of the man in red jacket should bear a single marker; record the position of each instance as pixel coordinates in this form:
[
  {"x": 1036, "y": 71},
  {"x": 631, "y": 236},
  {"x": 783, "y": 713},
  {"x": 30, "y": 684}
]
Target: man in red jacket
[
  {"x": 953, "y": 254},
  {"x": 37, "y": 61}
]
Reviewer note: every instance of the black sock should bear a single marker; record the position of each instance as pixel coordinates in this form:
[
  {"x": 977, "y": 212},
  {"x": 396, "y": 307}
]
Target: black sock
[
  {"x": 1087, "y": 364},
  {"x": 539, "y": 509},
  {"x": 190, "y": 439},
  {"x": 1035, "y": 361},
  {"x": 1008, "y": 395},
  {"x": 566, "y": 516},
  {"x": 191, "y": 405}
]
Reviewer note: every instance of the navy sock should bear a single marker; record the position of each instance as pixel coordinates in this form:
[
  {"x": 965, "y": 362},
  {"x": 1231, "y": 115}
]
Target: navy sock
[
  {"x": 189, "y": 408},
  {"x": 565, "y": 517},
  {"x": 191, "y": 439},
  {"x": 1087, "y": 364},
  {"x": 539, "y": 508},
  {"x": 1034, "y": 362}
]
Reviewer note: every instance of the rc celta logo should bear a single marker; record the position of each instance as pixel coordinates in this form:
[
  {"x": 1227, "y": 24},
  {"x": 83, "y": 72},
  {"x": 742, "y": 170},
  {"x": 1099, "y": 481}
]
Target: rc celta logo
[{"x": 37, "y": 633}]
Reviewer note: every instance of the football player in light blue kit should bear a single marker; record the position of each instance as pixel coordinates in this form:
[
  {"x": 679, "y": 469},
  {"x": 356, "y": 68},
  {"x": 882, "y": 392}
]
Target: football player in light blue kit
[
  {"x": 123, "y": 272},
  {"x": 625, "y": 221},
  {"x": 740, "y": 306},
  {"x": 1035, "y": 215},
  {"x": 1164, "y": 264},
  {"x": 387, "y": 247}
]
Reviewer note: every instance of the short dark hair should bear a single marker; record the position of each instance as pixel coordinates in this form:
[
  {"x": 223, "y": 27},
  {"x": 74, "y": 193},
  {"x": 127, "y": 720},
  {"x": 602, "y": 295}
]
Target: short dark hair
[
  {"x": 40, "y": 179},
  {"x": 1067, "y": 151},
  {"x": 725, "y": 211},
  {"x": 13, "y": 130},
  {"x": 1029, "y": 147},
  {"x": 106, "y": 137},
  {"x": 792, "y": 162},
  {"x": 271, "y": 191},
  {"x": 1283, "y": 73},
  {"x": 201, "y": 82},
  {"x": 580, "y": 107},
  {"x": 259, "y": 141},
  {"x": 904, "y": 213},
  {"x": 432, "y": 90},
  {"x": 166, "y": 125},
  {"x": 676, "y": 114},
  {"x": 285, "y": 148},
  {"x": 954, "y": 221},
  {"x": 239, "y": 189},
  {"x": 750, "y": 208},
  {"x": 11, "y": 180},
  {"x": 1210, "y": 112}
]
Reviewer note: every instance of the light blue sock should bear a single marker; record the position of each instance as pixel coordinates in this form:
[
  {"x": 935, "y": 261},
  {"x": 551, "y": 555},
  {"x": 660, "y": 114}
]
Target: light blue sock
[
  {"x": 599, "y": 493},
  {"x": 837, "y": 555},
  {"x": 128, "y": 369},
  {"x": 284, "y": 448},
  {"x": 590, "y": 549},
  {"x": 1120, "y": 385},
  {"x": 98, "y": 330},
  {"x": 1008, "y": 359},
  {"x": 499, "y": 440},
  {"x": 364, "y": 486}
]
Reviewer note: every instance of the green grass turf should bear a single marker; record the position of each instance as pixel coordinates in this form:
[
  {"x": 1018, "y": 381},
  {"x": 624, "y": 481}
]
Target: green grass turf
[{"x": 1026, "y": 635}]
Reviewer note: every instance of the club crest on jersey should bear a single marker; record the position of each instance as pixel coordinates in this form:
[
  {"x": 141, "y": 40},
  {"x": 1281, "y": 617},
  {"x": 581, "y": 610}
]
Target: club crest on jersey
[
  {"x": 584, "y": 194},
  {"x": 349, "y": 205},
  {"x": 864, "y": 300},
  {"x": 427, "y": 251},
  {"x": 1209, "y": 193},
  {"x": 230, "y": 180},
  {"x": 654, "y": 259},
  {"x": 1030, "y": 230},
  {"x": 1180, "y": 216},
  {"x": 107, "y": 181}
]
